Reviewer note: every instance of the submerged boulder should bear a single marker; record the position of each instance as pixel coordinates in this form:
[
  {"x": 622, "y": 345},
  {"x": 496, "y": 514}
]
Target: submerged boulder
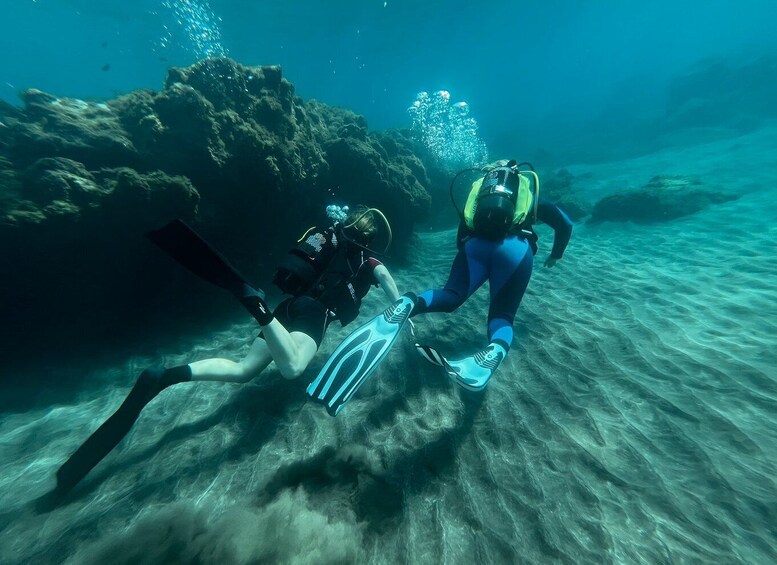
[
  {"x": 364, "y": 173},
  {"x": 55, "y": 187},
  {"x": 563, "y": 189},
  {"x": 662, "y": 199}
]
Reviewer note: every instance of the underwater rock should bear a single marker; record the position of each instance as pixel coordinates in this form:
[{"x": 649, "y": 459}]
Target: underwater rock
[
  {"x": 723, "y": 94},
  {"x": 662, "y": 199},
  {"x": 229, "y": 147},
  {"x": 377, "y": 168},
  {"x": 10, "y": 184},
  {"x": 74, "y": 254},
  {"x": 87, "y": 132},
  {"x": 364, "y": 173},
  {"x": 58, "y": 178},
  {"x": 56, "y": 186},
  {"x": 9, "y": 111},
  {"x": 559, "y": 188}
]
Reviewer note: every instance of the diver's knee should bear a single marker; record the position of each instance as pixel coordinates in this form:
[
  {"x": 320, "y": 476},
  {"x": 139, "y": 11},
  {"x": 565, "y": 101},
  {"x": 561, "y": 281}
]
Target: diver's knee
[
  {"x": 292, "y": 371},
  {"x": 453, "y": 299},
  {"x": 245, "y": 378}
]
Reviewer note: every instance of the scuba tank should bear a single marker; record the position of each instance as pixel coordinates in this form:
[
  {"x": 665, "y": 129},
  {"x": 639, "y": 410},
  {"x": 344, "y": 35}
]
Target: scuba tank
[
  {"x": 496, "y": 202},
  {"x": 501, "y": 199}
]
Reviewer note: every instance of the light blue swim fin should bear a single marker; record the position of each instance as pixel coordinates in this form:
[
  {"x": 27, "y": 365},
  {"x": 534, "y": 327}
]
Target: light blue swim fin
[
  {"x": 358, "y": 355},
  {"x": 472, "y": 373}
]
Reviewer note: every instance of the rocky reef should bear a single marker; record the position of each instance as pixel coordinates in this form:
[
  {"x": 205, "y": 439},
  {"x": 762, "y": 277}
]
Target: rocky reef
[
  {"x": 227, "y": 147},
  {"x": 559, "y": 187},
  {"x": 662, "y": 199}
]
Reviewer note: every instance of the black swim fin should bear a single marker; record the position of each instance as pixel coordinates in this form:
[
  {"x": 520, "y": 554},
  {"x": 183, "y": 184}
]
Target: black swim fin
[
  {"x": 112, "y": 431},
  {"x": 184, "y": 245}
]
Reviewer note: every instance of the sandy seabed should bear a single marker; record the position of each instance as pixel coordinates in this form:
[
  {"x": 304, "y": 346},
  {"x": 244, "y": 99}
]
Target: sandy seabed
[{"x": 633, "y": 421}]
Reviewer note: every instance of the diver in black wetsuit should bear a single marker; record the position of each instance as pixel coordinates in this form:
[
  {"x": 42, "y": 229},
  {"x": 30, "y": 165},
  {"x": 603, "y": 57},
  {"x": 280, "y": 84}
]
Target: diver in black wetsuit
[{"x": 327, "y": 274}]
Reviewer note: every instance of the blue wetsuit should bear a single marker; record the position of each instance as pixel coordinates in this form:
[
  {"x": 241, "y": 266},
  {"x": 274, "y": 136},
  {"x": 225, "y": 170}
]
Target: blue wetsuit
[{"x": 505, "y": 263}]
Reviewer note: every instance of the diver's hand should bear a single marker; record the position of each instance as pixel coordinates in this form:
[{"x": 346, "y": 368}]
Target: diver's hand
[{"x": 550, "y": 261}]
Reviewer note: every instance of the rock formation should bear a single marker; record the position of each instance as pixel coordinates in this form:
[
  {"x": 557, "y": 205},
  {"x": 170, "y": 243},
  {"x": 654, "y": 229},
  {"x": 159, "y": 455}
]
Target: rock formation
[
  {"x": 227, "y": 147},
  {"x": 662, "y": 199}
]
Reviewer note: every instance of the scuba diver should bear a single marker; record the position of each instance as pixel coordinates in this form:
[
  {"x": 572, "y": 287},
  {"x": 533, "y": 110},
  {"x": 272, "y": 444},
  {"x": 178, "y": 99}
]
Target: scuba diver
[
  {"x": 496, "y": 242},
  {"x": 327, "y": 275}
]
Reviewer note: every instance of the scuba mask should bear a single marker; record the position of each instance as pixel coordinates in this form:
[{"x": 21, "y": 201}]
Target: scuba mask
[{"x": 351, "y": 232}]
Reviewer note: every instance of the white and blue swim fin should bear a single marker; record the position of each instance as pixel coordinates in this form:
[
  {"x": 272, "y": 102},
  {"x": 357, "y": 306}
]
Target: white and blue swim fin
[
  {"x": 358, "y": 355},
  {"x": 472, "y": 373}
]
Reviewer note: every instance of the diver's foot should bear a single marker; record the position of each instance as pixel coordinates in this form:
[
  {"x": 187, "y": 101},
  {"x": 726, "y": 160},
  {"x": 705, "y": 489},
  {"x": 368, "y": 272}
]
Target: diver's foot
[
  {"x": 249, "y": 291},
  {"x": 474, "y": 373},
  {"x": 148, "y": 385},
  {"x": 154, "y": 380}
]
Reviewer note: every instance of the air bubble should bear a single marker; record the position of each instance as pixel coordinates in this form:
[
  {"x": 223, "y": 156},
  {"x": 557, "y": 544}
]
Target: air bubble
[
  {"x": 446, "y": 130},
  {"x": 199, "y": 25}
]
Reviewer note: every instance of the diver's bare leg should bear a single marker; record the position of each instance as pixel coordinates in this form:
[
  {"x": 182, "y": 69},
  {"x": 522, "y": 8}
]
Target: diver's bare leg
[
  {"x": 150, "y": 383},
  {"x": 292, "y": 352},
  {"x": 224, "y": 370}
]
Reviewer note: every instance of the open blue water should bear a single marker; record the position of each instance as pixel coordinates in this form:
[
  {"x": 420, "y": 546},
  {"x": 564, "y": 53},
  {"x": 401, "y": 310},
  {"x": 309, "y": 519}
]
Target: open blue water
[{"x": 541, "y": 77}]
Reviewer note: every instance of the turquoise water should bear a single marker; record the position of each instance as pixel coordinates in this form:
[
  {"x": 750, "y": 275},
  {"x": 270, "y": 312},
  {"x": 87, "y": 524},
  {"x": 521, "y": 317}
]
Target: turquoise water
[
  {"x": 632, "y": 422},
  {"x": 552, "y": 79}
]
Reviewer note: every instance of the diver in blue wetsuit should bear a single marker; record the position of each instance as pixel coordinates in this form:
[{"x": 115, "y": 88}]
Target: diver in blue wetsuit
[{"x": 497, "y": 243}]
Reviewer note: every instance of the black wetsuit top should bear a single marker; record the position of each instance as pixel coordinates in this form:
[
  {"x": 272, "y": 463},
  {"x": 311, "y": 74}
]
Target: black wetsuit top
[{"x": 344, "y": 276}]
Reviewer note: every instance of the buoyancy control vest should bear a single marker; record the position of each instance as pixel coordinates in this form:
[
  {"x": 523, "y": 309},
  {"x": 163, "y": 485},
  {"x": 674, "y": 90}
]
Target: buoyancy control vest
[
  {"x": 319, "y": 267},
  {"x": 500, "y": 201}
]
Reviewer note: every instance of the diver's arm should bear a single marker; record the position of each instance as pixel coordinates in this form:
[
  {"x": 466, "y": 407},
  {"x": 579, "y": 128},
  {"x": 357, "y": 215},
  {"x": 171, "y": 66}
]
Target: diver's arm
[
  {"x": 386, "y": 282},
  {"x": 562, "y": 226}
]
